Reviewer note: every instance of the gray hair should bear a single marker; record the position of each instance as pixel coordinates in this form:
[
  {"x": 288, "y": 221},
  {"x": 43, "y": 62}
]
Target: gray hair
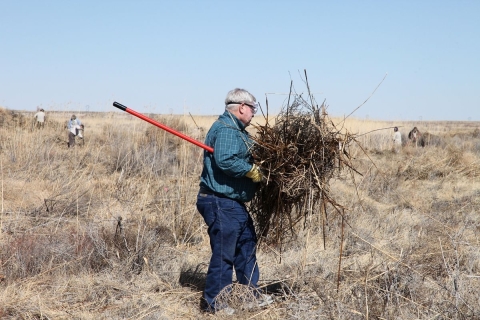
[{"x": 238, "y": 96}]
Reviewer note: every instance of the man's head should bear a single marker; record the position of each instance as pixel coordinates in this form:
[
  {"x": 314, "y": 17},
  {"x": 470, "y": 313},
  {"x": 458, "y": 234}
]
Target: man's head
[
  {"x": 395, "y": 129},
  {"x": 74, "y": 117},
  {"x": 42, "y": 110},
  {"x": 242, "y": 104}
]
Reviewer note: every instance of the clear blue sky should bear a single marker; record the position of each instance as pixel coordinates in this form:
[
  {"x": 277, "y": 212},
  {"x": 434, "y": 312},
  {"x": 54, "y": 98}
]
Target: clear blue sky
[{"x": 184, "y": 56}]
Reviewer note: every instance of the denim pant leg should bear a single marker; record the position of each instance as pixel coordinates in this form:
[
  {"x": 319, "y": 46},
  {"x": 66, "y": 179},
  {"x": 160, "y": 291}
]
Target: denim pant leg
[
  {"x": 223, "y": 231},
  {"x": 246, "y": 267}
]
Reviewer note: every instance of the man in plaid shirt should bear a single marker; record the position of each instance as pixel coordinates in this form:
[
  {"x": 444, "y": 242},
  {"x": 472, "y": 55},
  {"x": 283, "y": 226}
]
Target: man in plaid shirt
[{"x": 228, "y": 180}]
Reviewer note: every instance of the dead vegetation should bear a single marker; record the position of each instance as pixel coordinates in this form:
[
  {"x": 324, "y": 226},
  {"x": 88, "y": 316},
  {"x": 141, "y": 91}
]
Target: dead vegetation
[
  {"x": 12, "y": 119},
  {"x": 110, "y": 230},
  {"x": 299, "y": 155}
]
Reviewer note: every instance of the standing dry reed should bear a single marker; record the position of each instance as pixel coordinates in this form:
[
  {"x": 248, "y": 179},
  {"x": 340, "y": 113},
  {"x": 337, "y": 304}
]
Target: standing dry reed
[{"x": 410, "y": 241}]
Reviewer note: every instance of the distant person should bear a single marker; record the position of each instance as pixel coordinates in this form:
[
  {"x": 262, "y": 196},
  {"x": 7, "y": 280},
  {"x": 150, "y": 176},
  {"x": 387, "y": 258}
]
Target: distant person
[
  {"x": 414, "y": 136},
  {"x": 74, "y": 127},
  {"x": 397, "y": 139},
  {"x": 40, "y": 119}
]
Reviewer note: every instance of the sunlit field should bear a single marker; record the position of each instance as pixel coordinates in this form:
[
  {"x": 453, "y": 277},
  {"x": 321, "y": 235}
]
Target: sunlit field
[{"x": 109, "y": 229}]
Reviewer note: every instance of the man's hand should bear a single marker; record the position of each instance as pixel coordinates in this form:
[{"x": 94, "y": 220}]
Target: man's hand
[{"x": 255, "y": 174}]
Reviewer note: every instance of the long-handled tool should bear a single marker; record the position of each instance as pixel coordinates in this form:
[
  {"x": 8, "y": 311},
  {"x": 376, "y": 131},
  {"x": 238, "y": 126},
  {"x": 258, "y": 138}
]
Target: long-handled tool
[{"x": 162, "y": 126}]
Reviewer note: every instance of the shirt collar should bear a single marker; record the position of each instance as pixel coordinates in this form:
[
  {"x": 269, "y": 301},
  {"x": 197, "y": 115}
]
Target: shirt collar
[{"x": 231, "y": 116}]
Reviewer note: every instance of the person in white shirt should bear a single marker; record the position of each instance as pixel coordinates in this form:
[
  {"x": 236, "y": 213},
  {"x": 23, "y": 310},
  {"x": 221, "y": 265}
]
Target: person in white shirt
[
  {"x": 397, "y": 139},
  {"x": 40, "y": 119}
]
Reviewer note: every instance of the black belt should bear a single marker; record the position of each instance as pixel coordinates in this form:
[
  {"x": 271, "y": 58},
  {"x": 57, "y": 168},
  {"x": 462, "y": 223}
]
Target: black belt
[{"x": 204, "y": 192}]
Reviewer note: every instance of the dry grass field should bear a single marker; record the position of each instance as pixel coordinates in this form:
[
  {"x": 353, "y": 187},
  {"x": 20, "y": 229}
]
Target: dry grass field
[{"x": 109, "y": 229}]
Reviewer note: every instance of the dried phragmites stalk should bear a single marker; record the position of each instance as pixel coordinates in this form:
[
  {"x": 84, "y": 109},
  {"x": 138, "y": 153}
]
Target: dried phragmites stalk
[{"x": 299, "y": 154}]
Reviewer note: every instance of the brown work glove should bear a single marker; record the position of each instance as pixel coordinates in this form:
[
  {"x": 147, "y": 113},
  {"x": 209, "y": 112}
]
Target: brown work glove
[{"x": 255, "y": 174}]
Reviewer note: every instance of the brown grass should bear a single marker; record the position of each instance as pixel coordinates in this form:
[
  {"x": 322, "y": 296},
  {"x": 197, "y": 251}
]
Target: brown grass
[{"x": 110, "y": 230}]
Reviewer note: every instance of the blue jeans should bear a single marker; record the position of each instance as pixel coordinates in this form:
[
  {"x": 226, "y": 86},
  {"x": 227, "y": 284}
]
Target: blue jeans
[{"x": 233, "y": 243}]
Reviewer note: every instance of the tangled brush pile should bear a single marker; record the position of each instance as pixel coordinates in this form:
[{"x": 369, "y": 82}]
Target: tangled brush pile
[
  {"x": 10, "y": 118},
  {"x": 298, "y": 155}
]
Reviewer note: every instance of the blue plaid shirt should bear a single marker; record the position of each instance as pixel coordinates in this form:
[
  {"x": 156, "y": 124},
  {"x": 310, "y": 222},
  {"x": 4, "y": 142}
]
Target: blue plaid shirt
[{"x": 224, "y": 171}]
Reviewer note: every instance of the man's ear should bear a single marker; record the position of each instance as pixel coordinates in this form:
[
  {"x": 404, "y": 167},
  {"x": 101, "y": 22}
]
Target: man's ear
[{"x": 240, "y": 108}]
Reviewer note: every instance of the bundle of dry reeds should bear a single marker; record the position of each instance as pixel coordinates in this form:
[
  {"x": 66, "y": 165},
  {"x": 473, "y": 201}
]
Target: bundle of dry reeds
[{"x": 298, "y": 155}]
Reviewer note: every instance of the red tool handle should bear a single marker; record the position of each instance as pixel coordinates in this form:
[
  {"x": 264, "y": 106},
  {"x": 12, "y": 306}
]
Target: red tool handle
[{"x": 162, "y": 126}]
